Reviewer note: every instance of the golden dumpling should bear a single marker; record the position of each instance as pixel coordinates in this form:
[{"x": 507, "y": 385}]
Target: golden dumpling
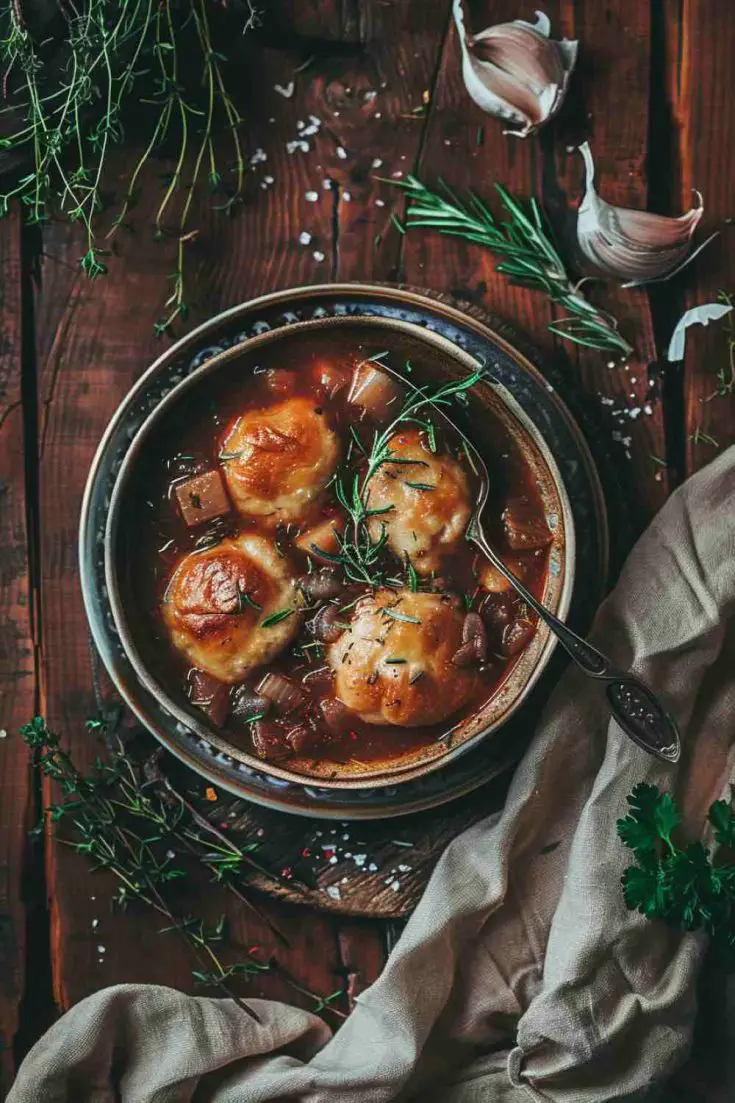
[
  {"x": 278, "y": 460},
  {"x": 427, "y": 500},
  {"x": 219, "y": 601},
  {"x": 393, "y": 665}
]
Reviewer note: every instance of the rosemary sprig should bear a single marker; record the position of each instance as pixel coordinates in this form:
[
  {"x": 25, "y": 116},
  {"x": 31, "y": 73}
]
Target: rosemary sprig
[
  {"x": 133, "y": 822},
  {"x": 360, "y": 551},
  {"x": 66, "y": 122},
  {"x": 530, "y": 257}
]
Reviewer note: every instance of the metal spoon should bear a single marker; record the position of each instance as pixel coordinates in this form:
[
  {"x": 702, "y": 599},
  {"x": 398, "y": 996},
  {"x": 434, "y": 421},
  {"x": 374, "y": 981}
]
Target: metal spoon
[{"x": 635, "y": 707}]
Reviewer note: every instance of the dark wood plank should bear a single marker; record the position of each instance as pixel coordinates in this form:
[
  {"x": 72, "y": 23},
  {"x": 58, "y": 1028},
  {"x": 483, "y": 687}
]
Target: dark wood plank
[
  {"x": 17, "y": 665},
  {"x": 608, "y": 104},
  {"x": 93, "y": 341},
  {"x": 469, "y": 150},
  {"x": 700, "y": 67}
]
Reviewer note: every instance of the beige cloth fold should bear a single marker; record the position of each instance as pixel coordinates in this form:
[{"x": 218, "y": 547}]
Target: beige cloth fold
[{"x": 521, "y": 975}]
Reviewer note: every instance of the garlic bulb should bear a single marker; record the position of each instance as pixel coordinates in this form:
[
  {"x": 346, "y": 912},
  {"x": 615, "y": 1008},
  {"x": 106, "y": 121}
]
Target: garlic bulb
[
  {"x": 515, "y": 71},
  {"x": 636, "y": 246}
]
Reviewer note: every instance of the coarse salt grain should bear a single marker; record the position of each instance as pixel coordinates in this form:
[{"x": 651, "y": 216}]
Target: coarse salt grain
[
  {"x": 318, "y": 255},
  {"x": 377, "y": 162},
  {"x": 269, "y": 179},
  {"x": 346, "y": 196},
  {"x": 285, "y": 90},
  {"x": 379, "y": 202},
  {"x": 304, "y": 237},
  {"x": 333, "y": 891},
  {"x": 333, "y": 860},
  {"x": 3, "y": 733},
  {"x": 311, "y": 196},
  {"x": 342, "y": 153},
  {"x": 100, "y": 949}
]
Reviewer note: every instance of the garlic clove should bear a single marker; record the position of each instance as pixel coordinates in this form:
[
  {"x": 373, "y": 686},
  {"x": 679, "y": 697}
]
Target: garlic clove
[
  {"x": 636, "y": 246},
  {"x": 515, "y": 71}
]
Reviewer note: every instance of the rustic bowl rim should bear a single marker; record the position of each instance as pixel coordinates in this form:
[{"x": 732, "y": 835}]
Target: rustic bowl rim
[{"x": 542, "y": 646}]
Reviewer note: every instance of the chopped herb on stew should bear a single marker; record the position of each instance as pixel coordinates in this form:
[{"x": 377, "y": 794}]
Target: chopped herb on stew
[
  {"x": 276, "y": 618},
  {"x": 244, "y": 601},
  {"x": 405, "y": 617}
]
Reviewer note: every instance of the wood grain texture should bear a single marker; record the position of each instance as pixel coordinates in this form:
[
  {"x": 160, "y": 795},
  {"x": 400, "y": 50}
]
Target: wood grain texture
[
  {"x": 608, "y": 105},
  {"x": 17, "y": 666},
  {"x": 94, "y": 340},
  {"x": 468, "y": 150},
  {"x": 700, "y": 68}
]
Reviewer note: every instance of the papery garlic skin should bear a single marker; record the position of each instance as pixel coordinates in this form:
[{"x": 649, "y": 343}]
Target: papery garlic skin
[
  {"x": 635, "y": 246},
  {"x": 523, "y": 74}
]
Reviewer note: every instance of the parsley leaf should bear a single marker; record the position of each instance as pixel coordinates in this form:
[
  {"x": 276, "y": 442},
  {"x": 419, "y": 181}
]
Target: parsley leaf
[
  {"x": 682, "y": 885},
  {"x": 723, "y": 820}
]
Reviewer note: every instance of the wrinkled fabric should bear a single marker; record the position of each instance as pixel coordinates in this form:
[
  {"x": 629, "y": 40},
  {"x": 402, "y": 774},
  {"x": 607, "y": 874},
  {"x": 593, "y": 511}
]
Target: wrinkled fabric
[{"x": 521, "y": 974}]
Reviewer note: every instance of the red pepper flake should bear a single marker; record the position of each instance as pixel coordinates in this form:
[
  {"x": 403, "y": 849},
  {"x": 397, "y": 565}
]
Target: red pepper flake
[
  {"x": 329, "y": 853},
  {"x": 354, "y": 735},
  {"x": 210, "y": 794},
  {"x": 287, "y": 872},
  {"x": 306, "y": 853},
  {"x": 253, "y": 949}
]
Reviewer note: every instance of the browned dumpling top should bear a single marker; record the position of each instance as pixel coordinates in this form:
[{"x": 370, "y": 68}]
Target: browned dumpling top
[
  {"x": 278, "y": 460},
  {"x": 427, "y": 500},
  {"x": 218, "y": 600},
  {"x": 393, "y": 665}
]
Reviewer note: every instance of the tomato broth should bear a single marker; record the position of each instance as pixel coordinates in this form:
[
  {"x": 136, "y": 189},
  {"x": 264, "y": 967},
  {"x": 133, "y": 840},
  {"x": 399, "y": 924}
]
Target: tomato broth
[{"x": 156, "y": 536}]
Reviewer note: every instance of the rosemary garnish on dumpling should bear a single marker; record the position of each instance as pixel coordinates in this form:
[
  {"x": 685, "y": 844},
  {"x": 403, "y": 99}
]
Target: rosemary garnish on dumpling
[{"x": 360, "y": 553}]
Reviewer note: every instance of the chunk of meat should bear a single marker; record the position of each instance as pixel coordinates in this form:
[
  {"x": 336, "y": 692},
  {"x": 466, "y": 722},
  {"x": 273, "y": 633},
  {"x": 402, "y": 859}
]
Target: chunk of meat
[
  {"x": 269, "y": 741},
  {"x": 202, "y": 498},
  {"x": 524, "y": 525},
  {"x": 210, "y": 695}
]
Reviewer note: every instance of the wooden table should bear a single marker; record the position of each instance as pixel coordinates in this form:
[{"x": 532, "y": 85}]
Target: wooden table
[{"x": 654, "y": 94}]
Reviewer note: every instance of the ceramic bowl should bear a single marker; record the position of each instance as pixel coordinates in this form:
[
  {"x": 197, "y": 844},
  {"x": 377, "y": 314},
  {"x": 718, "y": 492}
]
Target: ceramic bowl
[{"x": 438, "y": 360}]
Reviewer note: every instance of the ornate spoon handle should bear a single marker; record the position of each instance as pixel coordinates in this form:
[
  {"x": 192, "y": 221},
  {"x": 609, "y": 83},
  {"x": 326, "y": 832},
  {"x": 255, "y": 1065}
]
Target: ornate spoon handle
[{"x": 639, "y": 713}]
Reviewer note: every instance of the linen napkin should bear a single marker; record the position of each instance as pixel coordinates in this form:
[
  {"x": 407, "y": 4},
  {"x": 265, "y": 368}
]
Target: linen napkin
[{"x": 521, "y": 973}]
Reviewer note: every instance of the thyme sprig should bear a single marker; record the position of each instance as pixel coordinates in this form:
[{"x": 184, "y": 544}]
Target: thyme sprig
[
  {"x": 132, "y": 822},
  {"x": 119, "y": 52},
  {"x": 530, "y": 257},
  {"x": 359, "y": 549}
]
